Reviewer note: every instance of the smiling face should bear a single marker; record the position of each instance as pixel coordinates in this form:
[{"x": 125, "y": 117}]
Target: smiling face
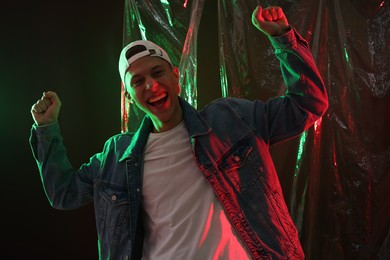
[{"x": 153, "y": 85}]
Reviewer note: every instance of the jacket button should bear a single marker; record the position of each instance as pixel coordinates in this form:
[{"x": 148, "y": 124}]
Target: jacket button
[
  {"x": 113, "y": 197},
  {"x": 236, "y": 158}
]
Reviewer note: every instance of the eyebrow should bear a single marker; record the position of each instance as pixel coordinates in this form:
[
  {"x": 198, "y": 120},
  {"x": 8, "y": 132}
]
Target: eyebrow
[{"x": 153, "y": 68}]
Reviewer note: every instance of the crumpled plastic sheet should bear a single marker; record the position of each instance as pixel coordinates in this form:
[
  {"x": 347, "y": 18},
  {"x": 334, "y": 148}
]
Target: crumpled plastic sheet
[
  {"x": 174, "y": 26},
  {"x": 335, "y": 176}
]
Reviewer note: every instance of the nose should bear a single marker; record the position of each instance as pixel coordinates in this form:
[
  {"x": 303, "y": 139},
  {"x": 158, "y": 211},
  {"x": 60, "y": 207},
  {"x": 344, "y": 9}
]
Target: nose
[{"x": 151, "y": 84}]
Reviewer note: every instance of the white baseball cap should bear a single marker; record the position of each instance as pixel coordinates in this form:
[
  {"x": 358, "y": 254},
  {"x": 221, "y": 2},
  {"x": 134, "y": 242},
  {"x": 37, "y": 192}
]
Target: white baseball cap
[{"x": 137, "y": 50}]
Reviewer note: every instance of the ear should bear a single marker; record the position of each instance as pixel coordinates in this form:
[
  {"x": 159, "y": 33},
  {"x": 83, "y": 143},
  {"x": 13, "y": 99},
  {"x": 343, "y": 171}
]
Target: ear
[{"x": 127, "y": 95}]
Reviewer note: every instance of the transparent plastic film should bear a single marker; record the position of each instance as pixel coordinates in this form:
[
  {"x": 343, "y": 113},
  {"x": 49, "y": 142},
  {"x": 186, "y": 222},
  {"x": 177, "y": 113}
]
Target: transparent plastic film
[
  {"x": 335, "y": 186},
  {"x": 173, "y": 25},
  {"x": 335, "y": 176}
]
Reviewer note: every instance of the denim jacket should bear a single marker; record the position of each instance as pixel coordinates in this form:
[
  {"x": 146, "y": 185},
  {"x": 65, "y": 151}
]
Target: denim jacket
[{"x": 230, "y": 139}]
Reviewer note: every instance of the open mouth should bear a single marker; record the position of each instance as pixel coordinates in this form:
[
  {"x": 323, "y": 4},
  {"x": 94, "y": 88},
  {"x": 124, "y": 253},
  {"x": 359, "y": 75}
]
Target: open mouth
[{"x": 158, "y": 100}]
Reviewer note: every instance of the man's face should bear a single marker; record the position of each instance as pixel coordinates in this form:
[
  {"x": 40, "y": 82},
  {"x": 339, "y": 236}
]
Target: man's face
[{"x": 153, "y": 86}]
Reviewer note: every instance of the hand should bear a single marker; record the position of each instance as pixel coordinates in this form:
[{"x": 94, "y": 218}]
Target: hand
[
  {"x": 271, "y": 20},
  {"x": 46, "y": 110}
]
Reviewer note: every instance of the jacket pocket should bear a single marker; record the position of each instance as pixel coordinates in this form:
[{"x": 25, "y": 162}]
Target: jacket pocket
[
  {"x": 113, "y": 214},
  {"x": 234, "y": 165}
]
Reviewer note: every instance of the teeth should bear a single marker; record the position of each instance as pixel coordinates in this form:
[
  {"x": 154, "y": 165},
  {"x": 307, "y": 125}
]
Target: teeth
[{"x": 154, "y": 99}]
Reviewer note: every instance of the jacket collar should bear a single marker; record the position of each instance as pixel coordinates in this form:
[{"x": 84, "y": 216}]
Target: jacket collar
[
  {"x": 139, "y": 139},
  {"x": 195, "y": 124}
]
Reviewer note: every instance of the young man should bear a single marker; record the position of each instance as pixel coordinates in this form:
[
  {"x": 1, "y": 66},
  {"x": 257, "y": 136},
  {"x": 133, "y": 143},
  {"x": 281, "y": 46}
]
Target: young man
[{"x": 189, "y": 184}]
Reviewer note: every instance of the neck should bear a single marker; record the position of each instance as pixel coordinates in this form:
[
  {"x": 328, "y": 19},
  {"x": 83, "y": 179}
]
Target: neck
[{"x": 159, "y": 126}]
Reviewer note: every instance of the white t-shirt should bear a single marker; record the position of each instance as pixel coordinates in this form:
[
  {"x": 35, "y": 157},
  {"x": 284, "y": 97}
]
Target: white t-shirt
[{"x": 183, "y": 218}]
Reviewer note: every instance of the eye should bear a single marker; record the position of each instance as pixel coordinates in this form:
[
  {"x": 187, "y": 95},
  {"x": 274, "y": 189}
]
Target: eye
[
  {"x": 158, "y": 73},
  {"x": 137, "y": 82}
]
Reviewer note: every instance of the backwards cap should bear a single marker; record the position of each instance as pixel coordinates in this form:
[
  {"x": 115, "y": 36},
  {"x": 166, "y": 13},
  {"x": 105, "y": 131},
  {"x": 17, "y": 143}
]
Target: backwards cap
[{"x": 137, "y": 50}]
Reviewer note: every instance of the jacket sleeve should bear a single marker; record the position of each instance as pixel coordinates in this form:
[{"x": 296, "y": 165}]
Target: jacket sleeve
[
  {"x": 305, "y": 100},
  {"x": 65, "y": 187}
]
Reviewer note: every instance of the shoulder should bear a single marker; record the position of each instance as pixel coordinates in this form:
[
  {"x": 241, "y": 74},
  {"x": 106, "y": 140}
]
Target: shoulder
[
  {"x": 228, "y": 109},
  {"x": 119, "y": 141},
  {"x": 229, "y": 103},
  {"x": 121, "y": 137},
  {"x": 225, "y": 100}
]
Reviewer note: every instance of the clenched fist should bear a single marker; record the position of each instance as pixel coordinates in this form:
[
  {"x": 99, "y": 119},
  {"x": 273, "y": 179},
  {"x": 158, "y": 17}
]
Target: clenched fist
[
  {"x": 271, "y": 20},
  {"x": 46, "y": 110}
]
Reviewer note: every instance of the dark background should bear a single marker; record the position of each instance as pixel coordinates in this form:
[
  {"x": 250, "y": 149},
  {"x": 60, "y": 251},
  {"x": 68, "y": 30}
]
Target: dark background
[{"x": 71, "y": 47}]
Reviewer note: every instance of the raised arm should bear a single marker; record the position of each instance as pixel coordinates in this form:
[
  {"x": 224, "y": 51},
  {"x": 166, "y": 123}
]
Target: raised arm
[{"x": 306, "y": 98}]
